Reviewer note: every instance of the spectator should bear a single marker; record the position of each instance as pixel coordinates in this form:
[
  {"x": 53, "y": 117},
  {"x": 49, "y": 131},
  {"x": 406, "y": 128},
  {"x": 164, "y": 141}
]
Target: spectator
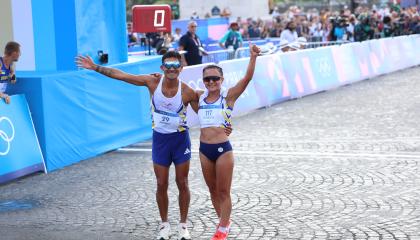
[
  {"x": 232, "y": 39},
  {"x": 194, "y": 16},
  {"x": 244, "y": 32},
  {"x": 191, "y": 43},
  {"x": 265, "y": 32},
  {"x": 7, "y": 68},
  {"x": 305, "y": 29},
  {"x": 225, "y": 12},
  {"x": 326, "y": 29},
  {"x": 276, "y": 31},
  {"x": 289, "y": 33},
  {"x": 253, "y": 30},
  {"x": 417, "y": 26},
  {"x": 350, "y": 28},
  {"x": 388, "y": 29},
  {"x": 316, "y": 32},
  {"x": 177, "y": 35},
  {"x": 131, "y": 36},
  {"x": 215, "y": 11},
  {"x": 414, "y": 23},
  {"x": 339, "y": 29},
  {"x": 153, "y": 38},
  {"x": 363, "y": 30},
  {"x": 164, "y": 43}
]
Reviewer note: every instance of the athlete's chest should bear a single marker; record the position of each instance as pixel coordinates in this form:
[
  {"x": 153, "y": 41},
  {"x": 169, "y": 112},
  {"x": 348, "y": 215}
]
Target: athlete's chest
[
  {"x": 5, "y": 72},
  {"x": 169, "y": 93}
]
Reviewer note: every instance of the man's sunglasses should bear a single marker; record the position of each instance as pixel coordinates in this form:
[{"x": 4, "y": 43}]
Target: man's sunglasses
[
  {"x": 212, "y": 78},
  {"x": 169, "y": 65}
]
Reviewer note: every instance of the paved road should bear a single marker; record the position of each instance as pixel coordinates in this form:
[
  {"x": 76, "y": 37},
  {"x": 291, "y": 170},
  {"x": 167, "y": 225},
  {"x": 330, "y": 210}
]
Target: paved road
[{"x": 342, "y": 164}]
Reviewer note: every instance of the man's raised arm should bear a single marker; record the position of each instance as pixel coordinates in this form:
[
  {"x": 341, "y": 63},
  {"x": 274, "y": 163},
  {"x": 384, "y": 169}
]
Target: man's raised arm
[{"x": 139, "y": 80}]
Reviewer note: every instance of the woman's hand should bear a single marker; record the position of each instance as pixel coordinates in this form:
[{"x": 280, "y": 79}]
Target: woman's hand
[{"x": 254, "y": 50}]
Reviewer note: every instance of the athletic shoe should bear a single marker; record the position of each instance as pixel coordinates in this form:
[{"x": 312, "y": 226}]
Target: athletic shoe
[
  {"x": 164, "y": 231},
  {"x": 183, "y": 233},
  {"x": 220, "y": 235}
]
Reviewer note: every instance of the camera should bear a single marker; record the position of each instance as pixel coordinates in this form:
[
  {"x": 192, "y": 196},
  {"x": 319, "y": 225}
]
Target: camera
[
  {"x": 103, "y": 57},
  {"x": 339, "y": 21}
]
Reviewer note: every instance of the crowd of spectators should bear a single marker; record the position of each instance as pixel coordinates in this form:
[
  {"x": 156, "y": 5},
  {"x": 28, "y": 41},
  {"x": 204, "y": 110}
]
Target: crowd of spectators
[
  {"x": 362, "y": 24},
  {"x": 296, "y": 26}
]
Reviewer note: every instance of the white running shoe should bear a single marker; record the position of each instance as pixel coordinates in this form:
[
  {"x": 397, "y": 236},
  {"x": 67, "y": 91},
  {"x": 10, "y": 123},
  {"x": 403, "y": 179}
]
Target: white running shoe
[
  {"x": 183, "y": 233},
  {"x": 164, "y": 231}
]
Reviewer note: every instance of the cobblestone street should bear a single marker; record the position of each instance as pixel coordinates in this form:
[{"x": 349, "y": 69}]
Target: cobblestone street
[{"x": 342, "y": 164}]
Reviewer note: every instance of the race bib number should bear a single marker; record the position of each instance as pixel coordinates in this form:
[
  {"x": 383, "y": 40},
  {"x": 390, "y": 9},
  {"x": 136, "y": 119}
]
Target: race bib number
[{"x": 166, "y": 120}]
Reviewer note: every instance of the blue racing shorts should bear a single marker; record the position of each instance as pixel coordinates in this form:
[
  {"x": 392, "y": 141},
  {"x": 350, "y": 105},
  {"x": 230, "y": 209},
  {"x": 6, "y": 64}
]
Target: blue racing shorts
[
  {"x": 171, "y": 147},
  {"x": 214, "y": 151}
]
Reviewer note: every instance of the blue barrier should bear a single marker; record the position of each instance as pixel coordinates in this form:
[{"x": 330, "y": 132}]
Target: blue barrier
[
  {"x": 282, "y": 76},
  {"x": 81, "y": 114},
  {"x": 20, "y": 153}
]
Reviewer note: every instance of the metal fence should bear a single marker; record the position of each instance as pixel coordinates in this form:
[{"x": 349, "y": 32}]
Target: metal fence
[
  {"x": 323, "y": 44},
  {"x": 268, "y": 46},
  {"x": 219, "y": 55}
]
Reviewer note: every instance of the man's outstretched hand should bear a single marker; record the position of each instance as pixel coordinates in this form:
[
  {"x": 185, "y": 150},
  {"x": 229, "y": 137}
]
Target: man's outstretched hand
[{"x": 85, "y": 62}]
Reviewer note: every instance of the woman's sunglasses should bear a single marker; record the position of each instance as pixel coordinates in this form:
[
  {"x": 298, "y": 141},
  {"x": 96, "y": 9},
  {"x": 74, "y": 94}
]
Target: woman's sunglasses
[
  {"x": 169, "y": 65},
  {"x": 212, "y": 78}
]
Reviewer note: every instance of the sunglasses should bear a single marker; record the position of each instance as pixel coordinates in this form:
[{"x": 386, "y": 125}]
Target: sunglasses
[
  {"x": 212, "y": 78},
  {"x": 169, "y": 65}
]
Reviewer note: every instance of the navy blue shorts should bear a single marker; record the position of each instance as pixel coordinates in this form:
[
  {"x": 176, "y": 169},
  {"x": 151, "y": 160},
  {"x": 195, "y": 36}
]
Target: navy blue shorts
[
  {"x": 214, "y": 151},
  {"x": 171, "y": 147}
]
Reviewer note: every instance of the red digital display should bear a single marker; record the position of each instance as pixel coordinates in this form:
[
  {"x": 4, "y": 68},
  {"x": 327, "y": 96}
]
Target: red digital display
[{"x": 151, "y": 18}]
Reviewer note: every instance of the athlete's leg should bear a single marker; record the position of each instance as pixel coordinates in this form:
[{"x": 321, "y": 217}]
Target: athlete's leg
[
  {"x": 224, "y": 172},
  {"x": 209, "y": 172},
  {"x": 162, "y": 175},
  {"x": 181, "y": 172}
]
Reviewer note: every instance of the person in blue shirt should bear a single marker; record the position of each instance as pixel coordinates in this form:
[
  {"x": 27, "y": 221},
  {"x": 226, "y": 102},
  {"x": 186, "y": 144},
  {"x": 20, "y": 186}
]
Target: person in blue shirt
[
  {"x": 232, "y": 38},
  {"x": 7, "y": 69}
]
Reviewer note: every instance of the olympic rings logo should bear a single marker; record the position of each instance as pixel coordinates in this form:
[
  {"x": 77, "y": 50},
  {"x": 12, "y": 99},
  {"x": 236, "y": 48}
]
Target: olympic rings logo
[{"x": 6, "y": 137}]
